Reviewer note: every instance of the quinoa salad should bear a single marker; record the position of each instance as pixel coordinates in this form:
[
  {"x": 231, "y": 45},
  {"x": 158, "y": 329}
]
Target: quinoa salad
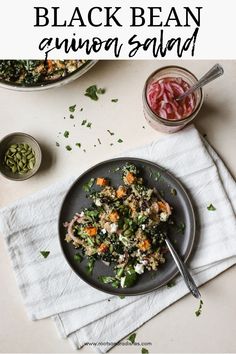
[
  {"x": 125, "y": 227},
  {"x": 30, "y": 72}
]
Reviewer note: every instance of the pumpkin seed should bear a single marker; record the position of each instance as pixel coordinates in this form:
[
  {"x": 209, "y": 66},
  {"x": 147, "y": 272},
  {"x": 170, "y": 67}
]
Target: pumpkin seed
[{"x": 20, "y": 158}]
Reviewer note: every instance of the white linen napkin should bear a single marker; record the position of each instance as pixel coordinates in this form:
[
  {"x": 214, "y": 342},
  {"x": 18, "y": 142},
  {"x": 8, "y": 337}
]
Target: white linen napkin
[{"x": 85, "y": 315}]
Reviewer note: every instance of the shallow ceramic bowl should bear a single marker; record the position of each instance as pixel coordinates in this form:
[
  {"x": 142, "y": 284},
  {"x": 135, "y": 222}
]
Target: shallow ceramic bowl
[
  {"x": 50, "y": 84},
  {"x": 19, "y": 138}
]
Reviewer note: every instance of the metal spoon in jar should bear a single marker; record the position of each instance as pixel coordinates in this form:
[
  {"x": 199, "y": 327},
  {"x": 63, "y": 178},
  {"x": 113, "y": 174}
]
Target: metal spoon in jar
[{"x": 211, "y": 75}]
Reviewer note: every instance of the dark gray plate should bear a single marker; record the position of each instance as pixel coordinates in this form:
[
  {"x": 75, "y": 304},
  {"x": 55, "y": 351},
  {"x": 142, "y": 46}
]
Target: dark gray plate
[{"x": 183, "y": 213}]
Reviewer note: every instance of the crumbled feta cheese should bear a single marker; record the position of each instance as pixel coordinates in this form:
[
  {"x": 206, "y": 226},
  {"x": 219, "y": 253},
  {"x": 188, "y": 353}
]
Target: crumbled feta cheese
[
  {"x": 139, "y": 268},
  {"x": 81, "y": 214},
  {"x": 121, "y": 257},
  {"x": 163, "y": 216},
  {"x": 122, "y": 282},
  {"x": 114, "y": 227},
  {"x": 143, "y": 226},
  {"x": 104, "y": 231},
  {"x": 98, "y": 202},
  {"x": 144, "y": 262}
]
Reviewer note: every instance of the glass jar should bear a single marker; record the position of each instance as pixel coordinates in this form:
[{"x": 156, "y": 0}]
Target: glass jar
[{"x": 170, "y": 125}]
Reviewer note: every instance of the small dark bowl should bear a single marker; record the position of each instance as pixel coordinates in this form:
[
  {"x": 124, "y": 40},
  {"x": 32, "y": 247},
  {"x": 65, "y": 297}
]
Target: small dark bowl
[{"x": 19, "y": 138}]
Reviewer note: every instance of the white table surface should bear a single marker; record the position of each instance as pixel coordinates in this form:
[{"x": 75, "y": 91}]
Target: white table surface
[{"x": 41, "y": 114}]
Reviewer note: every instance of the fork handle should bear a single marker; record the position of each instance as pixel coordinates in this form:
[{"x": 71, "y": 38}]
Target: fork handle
[{"x": 183, "y": 270}]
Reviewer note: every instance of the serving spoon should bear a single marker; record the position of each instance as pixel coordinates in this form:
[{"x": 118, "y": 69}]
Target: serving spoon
[{"x": 211, "y": 75}]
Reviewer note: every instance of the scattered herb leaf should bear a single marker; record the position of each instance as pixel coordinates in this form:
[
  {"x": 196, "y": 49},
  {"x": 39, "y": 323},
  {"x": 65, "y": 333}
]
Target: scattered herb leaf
[
  {"x": 199, "y": 310},
  {"x": 170, "y": 284},
  {"x": 89, "y": 124},
  {"x": 93, "y": 92},
  {"x": 72, "y": 116},
  {"x": 144, "y": 351},
  {"x": 181, "y": 227},
  {"x": 68, "y": 147},
  {"x": 121, "y": 296},
  {"x": 78, "y": 257},
  {"x": 87, "y": 186},
  {"x": 78, "y": 144},
  {"x": 111, "y": 144},
  {"x": 211, "y": 207},
  {"x": 132, "y": 337},
  {"x": 84, "y": 150},
  {"x": 81, "y": 109},
  {"x": 99, "y": 141},
  {"x": 204, "y": 135},
  {"x": 57, "y": 144},
  {"x": 110, "y": 132},
  {"x": 66, "y": 134},
  {"x": 45, "y": 254},
  {"x": 72, "y": 108},
  {"x": 115, "y": 100},
  {"x": 119, "y": 141},
  {"x": 101, "y": 91},
  {"x": 173, "y": 191},
  {"x": 143, "y": 127},
  {"x": 84, "y": 122}
]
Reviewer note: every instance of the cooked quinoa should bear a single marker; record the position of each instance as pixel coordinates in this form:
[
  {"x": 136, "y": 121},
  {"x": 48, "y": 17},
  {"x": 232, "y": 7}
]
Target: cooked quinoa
[
  {"x": 124, "y": 227},
  {"x": 30, "y": 72}
]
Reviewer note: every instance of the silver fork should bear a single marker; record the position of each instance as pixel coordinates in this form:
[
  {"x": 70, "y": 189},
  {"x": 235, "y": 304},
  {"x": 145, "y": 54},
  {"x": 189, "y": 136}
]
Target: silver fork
[{"x": 190, "y": 283}]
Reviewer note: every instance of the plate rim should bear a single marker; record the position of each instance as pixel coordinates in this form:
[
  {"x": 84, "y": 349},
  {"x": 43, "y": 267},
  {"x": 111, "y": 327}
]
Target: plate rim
[{"x": 112, "y": 291}]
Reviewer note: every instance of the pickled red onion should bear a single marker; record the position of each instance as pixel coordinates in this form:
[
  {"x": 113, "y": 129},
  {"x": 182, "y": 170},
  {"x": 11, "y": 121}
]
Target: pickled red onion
[{"x": 162, "y": 94}]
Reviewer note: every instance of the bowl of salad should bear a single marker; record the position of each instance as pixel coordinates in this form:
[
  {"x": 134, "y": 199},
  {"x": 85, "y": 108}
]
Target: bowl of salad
[
  {"x": 35, "y": 75},
  {"x": 113, "y": 224}
]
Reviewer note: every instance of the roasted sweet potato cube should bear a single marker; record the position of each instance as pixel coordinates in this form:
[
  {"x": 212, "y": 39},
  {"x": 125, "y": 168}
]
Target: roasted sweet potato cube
[
  {"x": 91, "y": 230},
  {"x": 102, "y": 181}
]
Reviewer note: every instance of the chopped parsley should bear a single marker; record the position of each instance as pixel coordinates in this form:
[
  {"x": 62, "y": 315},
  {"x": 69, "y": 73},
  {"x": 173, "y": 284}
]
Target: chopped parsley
[
  {"x": 45, "y": 254},
  {"x": 109, "y": 280},
  {"x": 111, "y": 133},
  {"x": 121, "y": 296},
  {"x": 144, "y": 351},
  {"x": 57, "y": 144},
  {"x": 115, "y": 100},
  {"x": 99, "y": 141},
  {"x": 132, "y": 337},
  {"x": 111, "y": 144},
  {"x": 87, "y": 186},
  {"x": 93, "y": 92},
  {"x": 143, "y": 127},
  {"x": 89, "y": 124},
  {"x": 84, "y": 122},
  {"x": 173, "y": 191},
  {"x": 199, "y": 310},
  {"x": 90, "y": 265},
  {"x": 66, "y": 134},
  {"x": 181, "y": 227},
  {"x": 84, "y": 150},
  {"x": 119, "y": 141},
  {"x": 211, "y": 207},
  {"x": 72, "y": 116},
  {"x": 170, "y": 284},
  {"x": 72, "y": 108},
  {"x": 68, "y": 147},
  {"x": 78, "y": 257},
  {"x": 78, "y": 144},
  {"x": 81, "y": 109}
]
